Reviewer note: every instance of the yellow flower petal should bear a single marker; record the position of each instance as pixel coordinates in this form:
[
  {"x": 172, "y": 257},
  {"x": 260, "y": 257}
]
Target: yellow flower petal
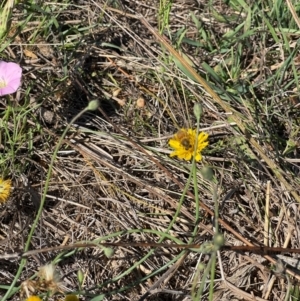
[
  {"x": 202, "y": 137},
  {"x": 33, "y": 298},
  {"x": 174, "y": 143},
  {"x": 5, "y": 187},
  {"x": 198, "y": 157},
  {"x": 173, "y": 154},
  {"x": 186, "y": 156}
]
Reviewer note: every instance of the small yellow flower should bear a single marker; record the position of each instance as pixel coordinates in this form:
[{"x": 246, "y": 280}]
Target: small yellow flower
[
  {"x": 5, "y": 187},
  {"x": 33, "y": 298},
  {"x": 183, "y": 143},
  {"x": 71, "y": 297}
]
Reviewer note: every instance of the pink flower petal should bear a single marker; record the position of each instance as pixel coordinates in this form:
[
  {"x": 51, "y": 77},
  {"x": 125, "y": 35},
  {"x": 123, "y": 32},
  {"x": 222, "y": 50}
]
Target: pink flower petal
[{"x": 11, "y": 74}]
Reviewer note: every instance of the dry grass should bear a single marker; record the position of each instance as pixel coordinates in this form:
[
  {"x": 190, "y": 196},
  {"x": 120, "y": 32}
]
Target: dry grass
[{"x": 113, "y": 180}]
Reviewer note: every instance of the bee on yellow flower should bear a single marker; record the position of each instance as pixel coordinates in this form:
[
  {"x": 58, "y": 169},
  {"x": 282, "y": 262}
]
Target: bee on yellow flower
[
  {"x": 183, "y": 143},
  {"x": 5, "y": 188}
]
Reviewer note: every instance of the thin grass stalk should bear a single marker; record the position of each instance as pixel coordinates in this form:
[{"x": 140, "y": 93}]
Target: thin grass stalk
[
  {"x": 213, "y": 258},
  {"x": 202, "y": 284}
]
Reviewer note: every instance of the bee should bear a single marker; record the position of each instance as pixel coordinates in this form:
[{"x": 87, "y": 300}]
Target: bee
[
  {"x": 184, "y": 138},
  {"x": 185, "y": 142}
]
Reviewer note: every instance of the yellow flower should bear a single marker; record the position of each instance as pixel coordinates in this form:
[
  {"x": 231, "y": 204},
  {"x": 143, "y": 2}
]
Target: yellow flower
[
  {"x": 183, "y": 143},
  {"x": 5, "y": 187},
  {"x": 33, "y": 298},
  {"x": 71, "y": 297}
]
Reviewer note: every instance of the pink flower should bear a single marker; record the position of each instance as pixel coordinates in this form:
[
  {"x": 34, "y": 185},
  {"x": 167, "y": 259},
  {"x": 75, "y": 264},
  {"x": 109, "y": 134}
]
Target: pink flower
[{"x": 10, "y": 77}]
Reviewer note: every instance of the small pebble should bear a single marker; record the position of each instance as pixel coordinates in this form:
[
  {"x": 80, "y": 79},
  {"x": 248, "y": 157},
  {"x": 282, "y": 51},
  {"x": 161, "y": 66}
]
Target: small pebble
[{"x": 140, "y": 103}]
